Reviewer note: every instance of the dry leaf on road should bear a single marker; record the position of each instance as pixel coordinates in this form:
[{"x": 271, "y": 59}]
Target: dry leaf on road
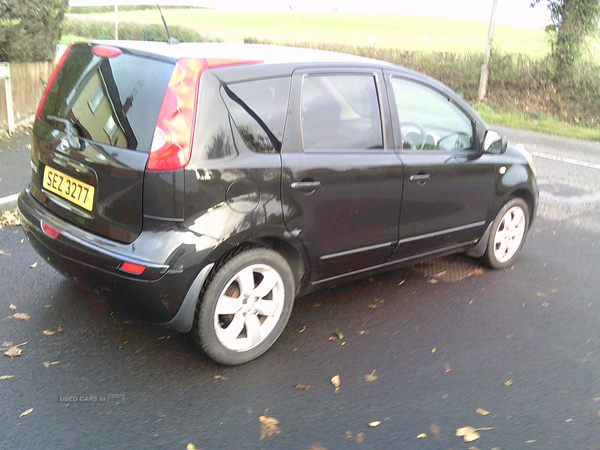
[
  {"x": 304, "y": 387},
  {"x": 470, "y": 434},
  {"x": 220, "y": 378},
  {"x": 21, "y": 316},
  {"x": 360, "y": 438},
  {"x": 435, "y": 430},
  {"x": 422, "y": 436},
  {"x": 374, "y": 424},
  {"x": 482, "y": 411},
  {"x": 268, "y": 426},
  {"x": 24, "y": 413},
  {"x": 33, "y": 266},
  {"x": 6, "y": 377},
  {"x": 371, "y": 376},
  {"x": 48, "y": 332},
  {"x": 12, "y": 306},
  {"x": 336, "y": 381}
]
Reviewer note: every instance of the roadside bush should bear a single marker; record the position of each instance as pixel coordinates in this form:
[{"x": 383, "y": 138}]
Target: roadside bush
[
  {"x": 516, "y": 82},
  {"x": 30, "y": 29},
  {"x": 105, "y": 29}
]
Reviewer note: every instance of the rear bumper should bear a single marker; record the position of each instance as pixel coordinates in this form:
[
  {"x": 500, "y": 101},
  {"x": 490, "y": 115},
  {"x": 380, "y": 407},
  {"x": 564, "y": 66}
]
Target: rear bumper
[{"x": 157, "y": 294}]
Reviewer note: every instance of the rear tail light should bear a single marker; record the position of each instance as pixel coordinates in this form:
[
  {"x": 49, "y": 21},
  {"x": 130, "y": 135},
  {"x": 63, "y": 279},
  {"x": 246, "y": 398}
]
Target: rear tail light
[
  {"x": 50, "y": 81},
  {"x": 173, "y": 135}
]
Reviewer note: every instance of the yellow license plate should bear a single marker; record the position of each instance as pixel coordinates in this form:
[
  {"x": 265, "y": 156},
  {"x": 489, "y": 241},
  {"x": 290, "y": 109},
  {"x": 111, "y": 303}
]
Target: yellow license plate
[{"x": 78, "y": 192}]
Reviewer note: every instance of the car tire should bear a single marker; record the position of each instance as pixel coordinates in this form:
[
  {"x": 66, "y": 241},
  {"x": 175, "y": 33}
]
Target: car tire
[
  {"x": 245, "y": 307},
  {"x": 507, "y": 235}
]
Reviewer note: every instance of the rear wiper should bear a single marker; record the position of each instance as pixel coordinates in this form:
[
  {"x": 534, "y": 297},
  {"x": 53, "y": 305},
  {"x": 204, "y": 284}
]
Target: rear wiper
[{"x": 72, "y": 138}]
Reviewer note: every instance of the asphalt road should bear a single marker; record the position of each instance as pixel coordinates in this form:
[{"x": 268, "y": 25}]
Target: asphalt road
[{"x": 522, "y": 344}]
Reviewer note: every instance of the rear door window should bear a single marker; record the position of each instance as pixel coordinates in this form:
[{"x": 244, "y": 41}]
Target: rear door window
[
  {"x": 341, "y": 111},
  {"x": 113, "y": 101}
]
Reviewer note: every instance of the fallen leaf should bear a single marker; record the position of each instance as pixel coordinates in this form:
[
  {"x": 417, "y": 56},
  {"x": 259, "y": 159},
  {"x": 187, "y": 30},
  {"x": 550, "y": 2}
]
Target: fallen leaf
[
  {"x": 469, "y": 434},
  {"x": 541, "y": 294},
  {"x": 13, "y": 351},
  {"x": 33, "y": 266},
  {"x": 220, "y": 378},
  {"x": 2, "y": 252},
  {"x": 402, "y": 282},
  {"x": 569, "y": 420},
  {"x": 360, "y": 438},
  {"x": 422, "y": 436},
  {"x": 7, "y": 344},
  {"x": 476, "y": 448},
  {"x": 337, "y": 334},
  {"x": 303, "y": 387},
  {"x": 11, "y": 306},
  {"x": 6, "y": 377},
  {"x": 545, "y": 304},
  {"x": 432, "y": 281},
  {"x": 60, "y": 329},
  {"x": 433, "y": 350},
  {"x": 191, "y": 446},
  {"x": 373, "y": 306},
  {"x": 48, "y": 332},
  {"x": 21, "y": 316},
  {"x": 447, "y": 368},
  {"x": 302, "y": 330},
  {"x": 477, "y": 272},
  {"x": 435, "y": 430},
  {"x": 317, "y": 446},
  {"x": 48, "y": 363},
  {"x": 268, "y": 426},
  {"x": 371, "y": 376},
  {"x": 362, "y": 332},
  {"x": 439, "y": 274},
  {"x": 482, "y": 411},
  {"x": 507, "y": 382},
  {"x": 24, "y": 413},
  {"x": 531, "y": 441},
  {"x": 336, "y": 381},
  {"x": 374, "y": 424}
]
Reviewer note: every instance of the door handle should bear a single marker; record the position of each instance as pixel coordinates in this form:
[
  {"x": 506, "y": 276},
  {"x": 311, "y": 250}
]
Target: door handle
[
  {"x": 421, "y": 178},
  {"x": 306, "y": 186}
]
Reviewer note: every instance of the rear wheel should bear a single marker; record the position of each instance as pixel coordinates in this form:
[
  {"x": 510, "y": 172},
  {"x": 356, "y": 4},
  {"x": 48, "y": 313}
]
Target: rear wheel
[
  {"x": 508, "y": 234},
  {"x": 245, "y": 307}
]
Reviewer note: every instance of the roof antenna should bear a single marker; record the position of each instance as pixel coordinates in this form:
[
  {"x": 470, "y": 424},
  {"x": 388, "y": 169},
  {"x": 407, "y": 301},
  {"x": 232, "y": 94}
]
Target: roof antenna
[{"x": 170, "y": 40}]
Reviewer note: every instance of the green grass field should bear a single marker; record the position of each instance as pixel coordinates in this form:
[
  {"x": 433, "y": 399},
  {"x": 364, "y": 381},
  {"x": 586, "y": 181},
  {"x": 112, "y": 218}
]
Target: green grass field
[{"x": 397, "y": 31}]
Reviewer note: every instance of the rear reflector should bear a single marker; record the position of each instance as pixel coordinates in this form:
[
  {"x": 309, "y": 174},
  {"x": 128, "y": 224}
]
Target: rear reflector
[
  {"x": 135, "y": 269},
  {"x": 50, "y": 81},
  {"x": 172, "y": 142},
  {"x": 50, "y": 231},
  {"x": 106, "y": 51}
]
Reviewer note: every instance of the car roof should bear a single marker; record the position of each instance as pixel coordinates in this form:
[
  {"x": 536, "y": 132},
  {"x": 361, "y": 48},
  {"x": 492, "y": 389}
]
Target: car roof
[{"x": 267, "y": 54}]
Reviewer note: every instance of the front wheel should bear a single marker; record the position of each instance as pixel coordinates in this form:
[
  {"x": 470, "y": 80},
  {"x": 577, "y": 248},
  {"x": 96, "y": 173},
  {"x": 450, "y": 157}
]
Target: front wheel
[
  {"x": 245, "y": 307},
  {"x": 507, "y": 237}
]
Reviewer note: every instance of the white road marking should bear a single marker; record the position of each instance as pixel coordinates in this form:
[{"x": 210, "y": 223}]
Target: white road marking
[{"x": 566, "y": 160}]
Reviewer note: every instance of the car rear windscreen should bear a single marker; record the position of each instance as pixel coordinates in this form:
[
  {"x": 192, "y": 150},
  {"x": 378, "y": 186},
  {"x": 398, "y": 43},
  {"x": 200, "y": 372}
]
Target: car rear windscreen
[{"x": 113, "y": 101}]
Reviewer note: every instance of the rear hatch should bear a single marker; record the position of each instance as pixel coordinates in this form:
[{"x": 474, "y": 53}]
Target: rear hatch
[{"x": 108, "y": 99}]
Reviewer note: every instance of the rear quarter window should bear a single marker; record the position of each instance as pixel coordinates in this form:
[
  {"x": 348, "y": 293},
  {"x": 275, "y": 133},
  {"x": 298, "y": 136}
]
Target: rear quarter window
[
  {"x": 258, "y": 109},
  {"x": 113, "y": 101}
]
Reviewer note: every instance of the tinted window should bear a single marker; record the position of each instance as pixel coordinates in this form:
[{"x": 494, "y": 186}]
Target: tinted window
[
  {"x": 341, "y": 111},
  {"x": 429, "y": 120},
  {"x": 258, "y": 109},
  {"x": 113, "y": 101}
]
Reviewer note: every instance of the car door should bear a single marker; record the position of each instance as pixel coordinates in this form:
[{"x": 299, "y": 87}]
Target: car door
[
  {"x": 341, "y": 184},
  {"x": 448, "y": 182}
]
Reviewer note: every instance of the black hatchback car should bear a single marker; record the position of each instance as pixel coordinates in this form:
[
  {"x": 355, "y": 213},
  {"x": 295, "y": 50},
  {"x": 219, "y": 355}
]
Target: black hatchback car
[{"x": 207, "y": 185}]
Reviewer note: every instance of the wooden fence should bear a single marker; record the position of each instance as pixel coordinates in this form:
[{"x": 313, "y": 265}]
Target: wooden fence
[{"x": 28, "y": 81}]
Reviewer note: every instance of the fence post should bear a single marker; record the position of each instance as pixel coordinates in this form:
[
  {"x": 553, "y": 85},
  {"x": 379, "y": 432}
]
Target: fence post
[
  {"x": 5, "y": 75},
  {"x": 485, "y": 68}
]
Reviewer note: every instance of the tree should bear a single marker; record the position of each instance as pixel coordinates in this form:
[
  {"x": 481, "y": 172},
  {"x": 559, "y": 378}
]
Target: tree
[
  {"x": 572, "y": 22},
  {"x": 30, "y": 29}
]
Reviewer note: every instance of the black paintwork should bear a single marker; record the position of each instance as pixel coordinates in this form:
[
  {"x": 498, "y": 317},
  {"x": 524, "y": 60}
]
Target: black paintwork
[{"x": 335, "y": 215}]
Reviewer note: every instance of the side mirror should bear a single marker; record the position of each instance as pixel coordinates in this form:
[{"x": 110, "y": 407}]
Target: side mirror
[{"x": 493, "y": 142}]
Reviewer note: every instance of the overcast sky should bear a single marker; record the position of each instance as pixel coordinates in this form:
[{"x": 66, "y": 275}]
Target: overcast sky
[{"x": 511, "y": 12}]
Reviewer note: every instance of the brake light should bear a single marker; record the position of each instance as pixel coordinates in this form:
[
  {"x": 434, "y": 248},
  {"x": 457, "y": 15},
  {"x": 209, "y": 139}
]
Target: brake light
[
  {"x": 173, "y": 135},
  {"x": 106, "y": 51},
  {"x": 129, "y": 267},
  {"x": 51, "y": 80}
]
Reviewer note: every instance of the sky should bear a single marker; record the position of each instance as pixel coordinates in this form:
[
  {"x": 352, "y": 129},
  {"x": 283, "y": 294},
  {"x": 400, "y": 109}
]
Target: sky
[{"x": 510, "y": 12}]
